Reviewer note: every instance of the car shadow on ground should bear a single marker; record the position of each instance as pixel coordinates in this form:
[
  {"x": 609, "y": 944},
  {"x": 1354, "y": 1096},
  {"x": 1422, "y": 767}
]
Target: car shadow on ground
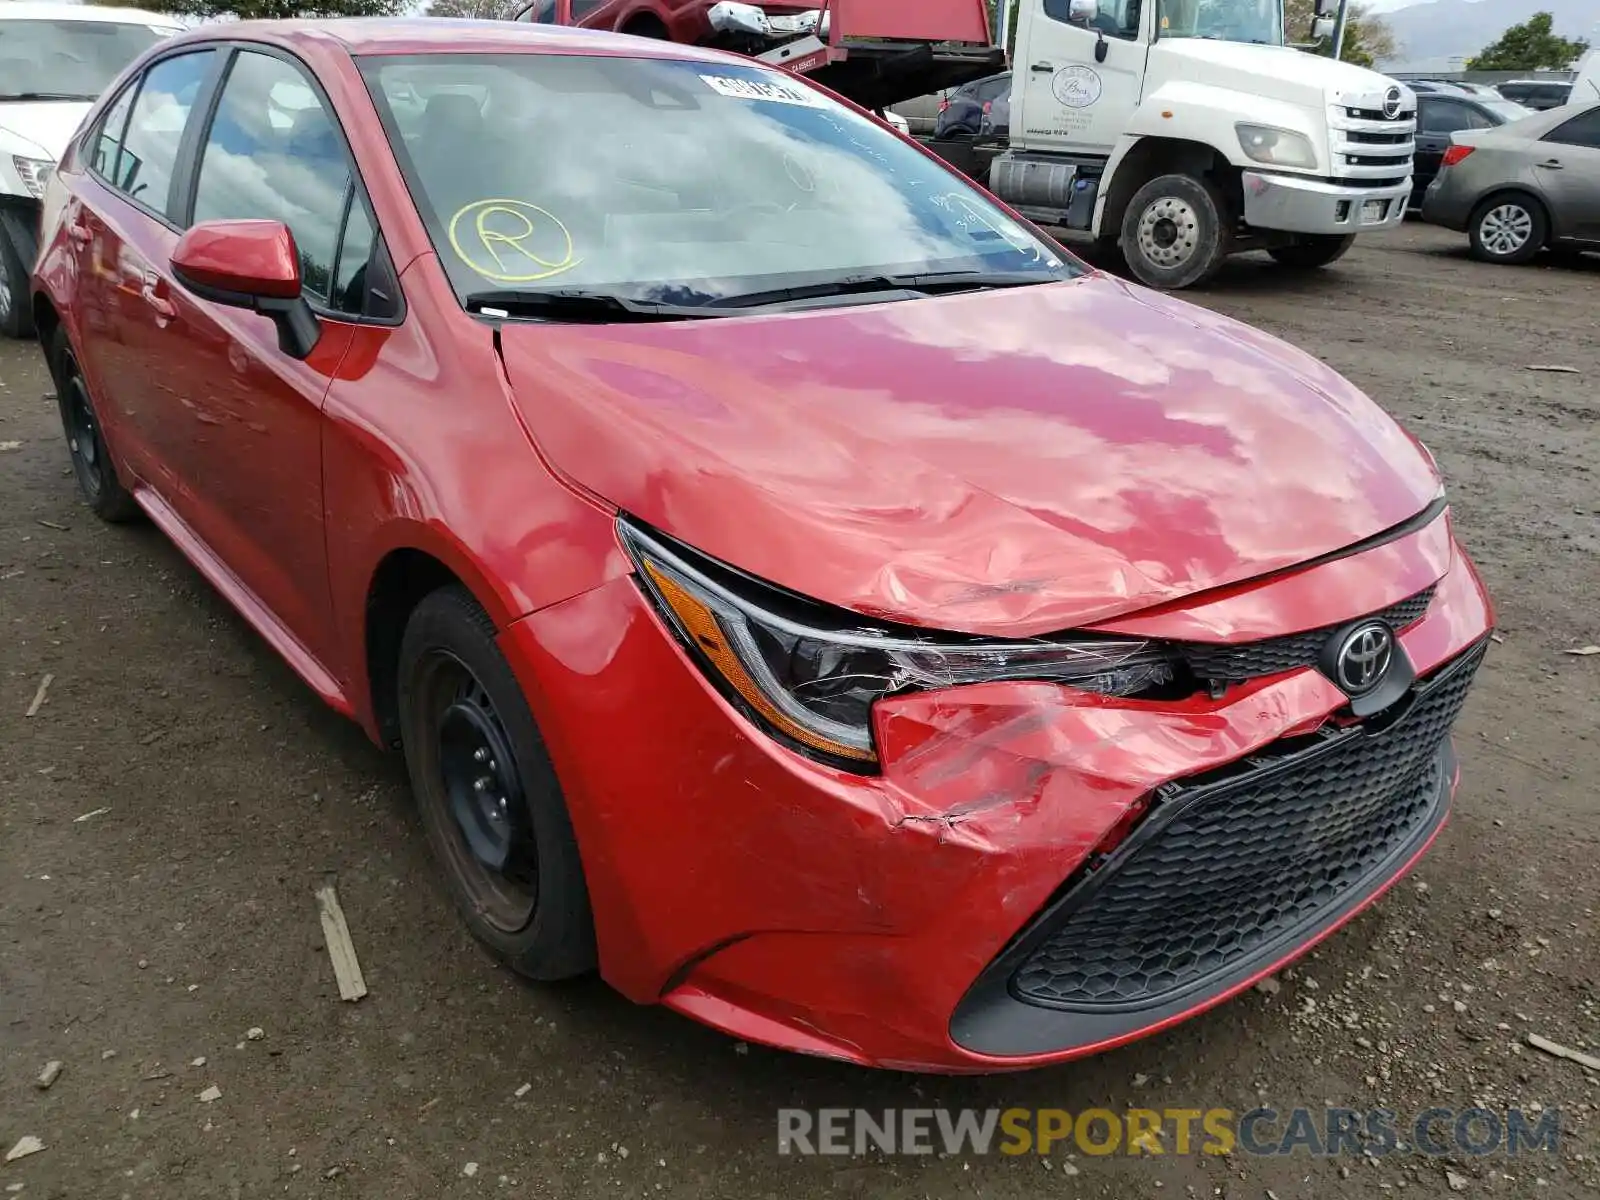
[{"x": 1576, "y": 262}]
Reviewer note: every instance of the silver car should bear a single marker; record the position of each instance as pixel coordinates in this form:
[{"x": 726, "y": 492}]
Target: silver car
[{"x": 1522, "y": 186}]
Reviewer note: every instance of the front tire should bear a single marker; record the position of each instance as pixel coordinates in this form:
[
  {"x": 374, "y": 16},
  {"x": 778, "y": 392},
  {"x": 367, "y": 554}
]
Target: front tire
[
  {"x": 1310, "y": 251},
  {"x": 91, "y": 458},
  {"x": 1507, "y": 229},
  {"x": 16, "y": 314},
  {"x": 1176, "y": 232},
  {"x": 489, "y": 798}
]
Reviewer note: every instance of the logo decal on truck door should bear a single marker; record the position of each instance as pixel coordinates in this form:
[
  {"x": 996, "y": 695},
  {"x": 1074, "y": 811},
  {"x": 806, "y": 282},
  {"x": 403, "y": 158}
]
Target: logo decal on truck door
[{"x": 1076, "y": 87}]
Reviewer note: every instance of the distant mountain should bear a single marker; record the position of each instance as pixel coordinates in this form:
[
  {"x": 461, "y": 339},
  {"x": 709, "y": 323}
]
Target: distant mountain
[{"x": 1449, "y": 28}]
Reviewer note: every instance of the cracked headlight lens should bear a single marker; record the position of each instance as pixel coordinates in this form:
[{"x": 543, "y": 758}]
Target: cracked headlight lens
[{"x": 809, "y": 673}]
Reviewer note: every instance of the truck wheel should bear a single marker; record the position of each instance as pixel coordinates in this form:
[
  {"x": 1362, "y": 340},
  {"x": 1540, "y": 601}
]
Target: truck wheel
[
  {"x": 1176, "y": 232},
  {"x": 1507, "y": 229},
  {"x": 1313, "y": 250},
  {"x": 16, "y": 313}
]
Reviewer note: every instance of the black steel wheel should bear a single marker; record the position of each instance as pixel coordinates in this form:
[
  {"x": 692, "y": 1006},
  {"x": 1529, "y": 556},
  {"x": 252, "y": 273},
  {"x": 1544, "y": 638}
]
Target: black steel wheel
[
  {"x": 86, "y": 442},
  {"x": 489, "y": 798}
]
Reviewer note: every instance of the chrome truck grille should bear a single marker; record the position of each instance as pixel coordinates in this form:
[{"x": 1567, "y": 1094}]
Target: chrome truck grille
[{"x": 1372, "y": 137}]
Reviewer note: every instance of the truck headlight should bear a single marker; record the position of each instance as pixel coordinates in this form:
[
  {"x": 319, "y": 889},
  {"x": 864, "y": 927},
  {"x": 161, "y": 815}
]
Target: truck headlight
[
  {"x": 34, "y": 173},
  {"x": 1276, "y": 147},
  {"x": 809, "y": 674}
]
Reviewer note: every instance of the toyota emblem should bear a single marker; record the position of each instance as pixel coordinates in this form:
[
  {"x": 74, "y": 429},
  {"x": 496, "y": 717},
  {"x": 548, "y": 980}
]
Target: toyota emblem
[
  {"x": 1391, "y": 103},
  {"x": 1364, "y": 657}
]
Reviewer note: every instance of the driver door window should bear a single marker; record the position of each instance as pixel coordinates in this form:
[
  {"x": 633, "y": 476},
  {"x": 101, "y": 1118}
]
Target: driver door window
[
  {"x": 1114, "y": 18},
  {"x": 273, "y": 152}
]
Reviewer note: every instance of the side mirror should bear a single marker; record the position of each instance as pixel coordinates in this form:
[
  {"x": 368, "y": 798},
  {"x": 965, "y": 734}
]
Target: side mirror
[
  {"x": 1322, "y": 29},
  {"x": 253, "y": 265},
  {"x": 1082, "y": 10},
  {"x": 1327, "y": 8}
]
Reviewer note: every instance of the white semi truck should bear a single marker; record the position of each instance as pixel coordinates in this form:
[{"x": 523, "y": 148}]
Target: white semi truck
[
  {"x": 1180, "y": 130},
  {"x": 1187, "y": 130}
]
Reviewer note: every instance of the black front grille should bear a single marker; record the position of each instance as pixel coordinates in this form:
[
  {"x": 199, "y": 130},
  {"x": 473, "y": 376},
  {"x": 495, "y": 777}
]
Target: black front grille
[
  {"x": 1363, "y": 138},
  {"x": 1246, "y": 860},
  {"x": 1252, "y": 660}
]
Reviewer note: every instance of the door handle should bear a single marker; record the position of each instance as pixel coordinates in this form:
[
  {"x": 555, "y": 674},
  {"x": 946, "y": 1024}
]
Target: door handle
[
  {"x": 1042, "y": 67},
  {"x": 164, "y": 308},
  {"x": 1551, "y": 164}
]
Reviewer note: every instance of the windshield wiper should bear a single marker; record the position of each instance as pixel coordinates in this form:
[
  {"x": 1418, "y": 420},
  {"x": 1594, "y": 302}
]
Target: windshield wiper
[
  {"x": 924, "y": 282},
  {"x": 577, "y": 306},
  {"x": 18, "y": 97}
]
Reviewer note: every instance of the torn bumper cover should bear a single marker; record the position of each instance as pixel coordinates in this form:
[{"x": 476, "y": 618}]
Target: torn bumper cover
[
  {"x": 1038, "y": 872},
  {"x": 751, "y": 20}
]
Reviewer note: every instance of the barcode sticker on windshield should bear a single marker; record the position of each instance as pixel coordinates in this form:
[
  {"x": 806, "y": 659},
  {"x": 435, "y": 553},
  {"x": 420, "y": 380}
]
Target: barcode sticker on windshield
[{"x": 752, "y": 89}]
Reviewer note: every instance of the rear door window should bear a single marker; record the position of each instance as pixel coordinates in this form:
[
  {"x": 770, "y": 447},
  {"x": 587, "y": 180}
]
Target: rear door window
[
  {"x": 1441, "y": 116},
  {"x": 107, "y": 140},
  {"x": 1582, "y": 130},
  {"x": 148, "y": 157}
]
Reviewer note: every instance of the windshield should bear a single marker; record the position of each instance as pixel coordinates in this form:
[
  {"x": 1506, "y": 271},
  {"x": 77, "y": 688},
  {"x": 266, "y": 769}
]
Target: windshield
[
  {"x": 671, "y": 181},
  {"x": 1257, "y": 21},
  {"x": 68, "y": 60}
]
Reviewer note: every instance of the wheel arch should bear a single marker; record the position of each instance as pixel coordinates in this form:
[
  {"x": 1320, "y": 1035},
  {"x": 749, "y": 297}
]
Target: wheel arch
[
  {"x": 46, "y": 320},
  {"x": 1137, "y": 160},
  {"x": 401, "y": 576},
  {"x": 645, "y": 22}
]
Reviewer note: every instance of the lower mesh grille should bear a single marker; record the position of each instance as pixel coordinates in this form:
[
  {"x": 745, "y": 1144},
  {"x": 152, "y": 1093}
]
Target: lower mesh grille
[{"x": 1252, "y": 856}]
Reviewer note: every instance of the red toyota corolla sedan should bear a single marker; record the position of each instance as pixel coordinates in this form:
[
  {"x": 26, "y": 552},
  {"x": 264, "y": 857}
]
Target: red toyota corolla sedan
[{"x": 800, "y": 590}]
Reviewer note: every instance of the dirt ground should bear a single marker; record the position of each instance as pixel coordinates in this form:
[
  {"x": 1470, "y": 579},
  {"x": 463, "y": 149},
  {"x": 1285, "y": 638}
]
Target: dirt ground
[{"x": 167, "y": 814}]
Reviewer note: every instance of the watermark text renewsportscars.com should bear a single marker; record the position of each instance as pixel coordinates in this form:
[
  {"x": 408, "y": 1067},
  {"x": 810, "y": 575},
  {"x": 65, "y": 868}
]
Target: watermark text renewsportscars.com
[{"x": 1168, "y": 1131}]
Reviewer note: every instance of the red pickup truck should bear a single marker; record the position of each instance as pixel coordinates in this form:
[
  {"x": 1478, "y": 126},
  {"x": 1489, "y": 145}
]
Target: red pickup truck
[{"x": 876, "y": 52}]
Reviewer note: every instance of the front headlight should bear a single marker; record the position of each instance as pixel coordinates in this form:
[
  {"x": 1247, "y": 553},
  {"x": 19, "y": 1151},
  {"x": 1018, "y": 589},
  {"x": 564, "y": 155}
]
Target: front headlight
[
  {"x": 810, "y": 673},
  {"x": 1276, "y": 147},
  {"x": 34, "y": 173}
]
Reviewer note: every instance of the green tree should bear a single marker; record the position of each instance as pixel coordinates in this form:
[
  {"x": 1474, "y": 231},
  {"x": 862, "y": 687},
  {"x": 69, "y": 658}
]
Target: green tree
[
  {"x": 263, "y": 10},
  {"x": 1531, "y": 46},
  {"x": 1368, "y": 40},
  {"x": 479, "y": 10},
  {"x": 994, "y": 23}
]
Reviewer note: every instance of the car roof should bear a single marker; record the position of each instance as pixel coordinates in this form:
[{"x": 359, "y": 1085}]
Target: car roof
[
  {"x": 27, "y": 10},
  {"x": 442, "y": 35}
]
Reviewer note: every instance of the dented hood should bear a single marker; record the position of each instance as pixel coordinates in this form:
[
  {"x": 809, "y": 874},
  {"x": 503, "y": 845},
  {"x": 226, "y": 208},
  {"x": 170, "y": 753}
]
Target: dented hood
[{"x": 1006, "y": 462}]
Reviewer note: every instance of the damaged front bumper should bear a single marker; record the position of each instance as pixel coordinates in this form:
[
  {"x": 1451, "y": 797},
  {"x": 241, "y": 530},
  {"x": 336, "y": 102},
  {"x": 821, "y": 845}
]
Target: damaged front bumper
[{"x": 936, "y": 917}]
